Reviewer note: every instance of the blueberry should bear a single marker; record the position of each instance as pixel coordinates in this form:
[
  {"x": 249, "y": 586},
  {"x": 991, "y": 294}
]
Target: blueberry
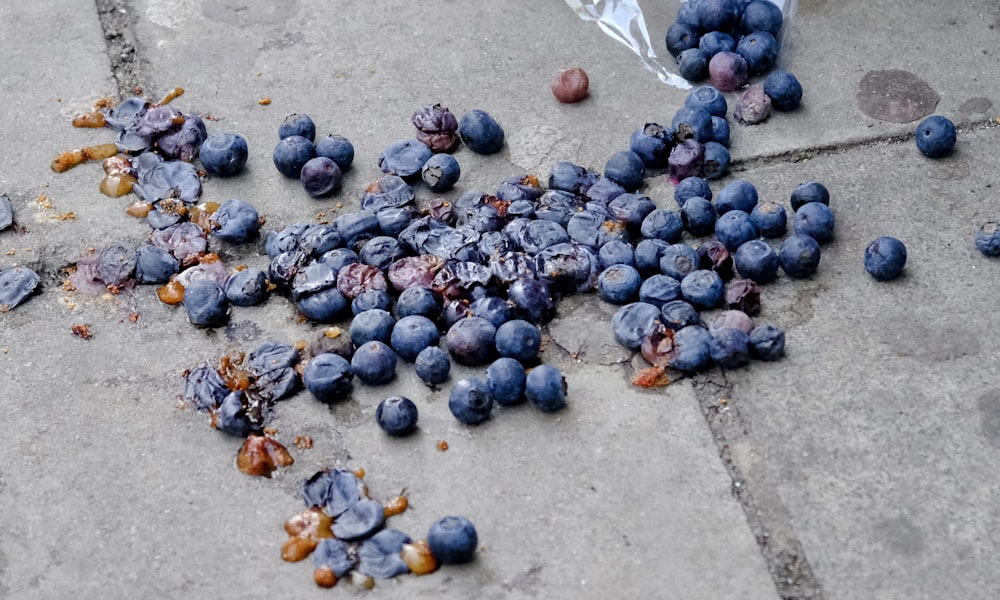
[
  {"x": 432, "y": 365},
  {"x": 568, "y": 177},
  {"x": 247, "y": 287},
  {"x": 767, "y": 342},
  {"x": 619, "y": 284},
  {"x": 357, "y": 278},
  {"x": 692, "y": 64},
  {"x": 405, "y": 158},
  {"x": 739, "y": 194},
  {"x": 325, "y": 306},
  {"x": 204, "y": 388},
  {"x": 494, "y": 309},
  {"x": 604, "y": 190},
  {"x": 816, "y": 220},
  {"x": 532, "y": 299},
  {"x": 320, "y": 177},
  {"x": 505, "y": 378},
  {"x": 728, "y": 71},
  {"x": 677, "y": 314},
  {"x": 205, "y": 303},
  {"x": 374, "y": 363},
  {"x": 709, "y": 99},
  {"x": 678, "y": 260},
  {"x": 593, "y": 229},
  {"x": 730, "y": 348},
  {"x": 359, "y": 521},
  {"x": 659, "y": 289},
  {"x": 291, "y": 154},
  {"x": 296, "y": 124},
  {"x": 885, "y": 258},
  {"x": 231, "y": 417},
  {"x": 633, "y": 322},
  {"x": 312, "y": 278},
  {"x": 809, "y": 191},
  {"x": 717, "y": 159},
  {"x": 703, "y": 288},
  {"x": 760, "y": 51},
  {"x": 334, "y": 491},
  {"x": 692, "y": 349},
  {"x": 116, "y": 265},
  {"x": 652, "y": 144},
  {"x": 371, "y": 325},
  {"x": 452, "y": 540},
  {"x": 713, "y": 42},
  {"x": 380, "y": 557},
  {"x": 935, "y": 136},
  {"x": 388, "y": 191},
  {"x": 393, "y": 220},
  {"x": 471, "y": 341},
  {"x": 731, "y": 319},
  {"x": 617, "y": 252},
  {"x": 626, "y": 169},
  {"x": 716, "y": 257},
  {"x": 338, "y": 258},
  {"x": 756, "y": 260},
  {"x": 480, "y": 132},
  {"x": 734, "y": 228},
  {"x": 183, "y": 143},
  {"x": 770, "y": 218},
  {"x": 681, "y": 37},
  {"x": 338, "y": 149},
  {"x": 396, "y": 415},
  {"x": 412, "y": 334},
  {"x": 631, "y": 210},
  {"x": 783, "y": 88},
  {"x": 545, "y": 387},
  {"x": 717, "y": 15},
  {"x": 661, "y": 224},
  {"x": 761, "y": 15},
  {"x": 799, "y": 256},
  {"x": 284, "y": 240},
  {"x": 381, "y": 251},
  {"x": 223, "y": 154},
  {"x": 440, "y": 172},
  {"x": 518, "y": 339},
  {"x": 691, "y": 187},
  {"x": 720, "y": 130},
  {"x": 692, "y": 123},
  {"x": 988, "y": 239},
  {"x": 753, "y": 106},
  {"x": 698, "y": 216},
  {"x": 437, "y": 127},
  {"x": 470, "y": 401},
  {"x": 328, "y": 377},
  {"x": 235, "y": 221},
  {"x": 647, "y": 256},
  {"x": 154, "y": 264},
  {"x": 686, "y": 160}
]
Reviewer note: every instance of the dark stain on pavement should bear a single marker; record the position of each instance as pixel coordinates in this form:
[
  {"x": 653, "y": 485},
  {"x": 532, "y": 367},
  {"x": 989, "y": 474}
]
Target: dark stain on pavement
[
  {"x": 900, "y": 535},
  {"x": 989, "y": 417},
  {"x": 896, "y": 96},
  {"x": 907, "y": 334}
]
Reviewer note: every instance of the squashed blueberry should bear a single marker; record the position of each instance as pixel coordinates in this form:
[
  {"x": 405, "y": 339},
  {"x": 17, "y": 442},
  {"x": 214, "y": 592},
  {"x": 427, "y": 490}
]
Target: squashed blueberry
[
  {"x": 205, "y": 303},
  {"x": 686, "y": 160},
  {"x": 359, "y": 521},
  {"x": 16, "y": 285},
  {"x": 988, "y": 238},
  {"x": 380, "y": 557},
  {"x": 236, "y": 221},
  {"x": 246, "y": 287},
  {"x": 753, "y": 106},
  {"x": 437, "y": 127},
  {"x": 404, "y": 158}
]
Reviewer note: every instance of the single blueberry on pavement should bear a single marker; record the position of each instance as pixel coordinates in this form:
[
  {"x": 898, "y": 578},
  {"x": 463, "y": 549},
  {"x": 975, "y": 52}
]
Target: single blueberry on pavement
[
  {"x": 328, "y": 377},
  {"x": 885, "y": 258},
  {"x": 730, "y": 348},
  {"x": 987, "y": 239},
  {"x": 223, "y": 154},
  {"x": 799, "y": 256},
  {"x": 470, "y": 401},
  {"x": 783, "y": 88},
  {"x": 767, "y": 342},
  {"x": 396, "y": 415},
  {"x": 452, "y": 540},
  {"x": 480, "y": 132},
  {"x": 936, "y": 136},
  {"x": 545, "y": 387},
  {"x": 432, "y": 365}
]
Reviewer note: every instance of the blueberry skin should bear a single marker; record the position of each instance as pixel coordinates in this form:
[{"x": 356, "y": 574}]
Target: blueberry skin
[
  {"x": 987, "y": 239},
  {"x": 568, "y": 177},
  {"x": 681, "y": 37},
  {"x": 756, "y": 260},
  {"x": 205, "y": 303},
  {"x": 371, "y": 325},
  {"x": 885, "y": 258},
  {"x": 404, "y": 157},
  {"x": 505, "y": 378},
  {"x": 480, "y": 132},
  {"x": 799, "y": 256},
  {"x": 545, "y": 387},
  {"x": 936, "y": 136},
  {"x": 231, "y": 417},
  {"x": 452, "y": 540},
  {"x": 328, "y": 377},
  {"x": 520, "y": 340},
  {"x": 735, "y": 228},
  {"x": 760, "y": 50},
  {"x": 692, "y": 64},
  {"x": 717, "y": 159},
  {"x": 441, "y": 172},
  {"x": 223, "y": 154},
  {"x": 783, "y": 89},
  {"x": 698, "y": 216},
  {"x": 154, "y": 264},
  {"x": 291, "y": 154},
  {"x": 703, "y": 289},
  {"x": 432, "y": 365},
  {"x": 619, "y": 284},
  {"x": 730, "y": 348},
  {"x": 740, "y": 194},
  {"x": 761, "y": 15},
  {"x": 235, "y": 222},
  {"x": 380, "y": 555},
  {"x": 374, "y": 363},
  {"x": 720, "y": 130},
  {"x": 770, "y": 218},
  {"x": 708, "y": 98},
  {"x": 396, "y": 415},
  {"x": 336, "y": 555},
  {"x": 633, "y": 323},
  {"x": 470, "y": 401},
  {"x": 616, "y": 252},
  {"x": 471, "y": 341},
  {"x": 809, "y": 191},
  {"x": 359, "y": 521},
  {"x": 815, "y": 220},
  {"x": 412, "y": 334},
  {"x": 692, "y": 349},
  {"x": 626, "y": 169},
  {"x": 297, "y": 124},
  {"x": 247, "y": 287},
  {"x": 661, "y": 224},
  {"x": 320, "y": 177},
  {"x": 767, "y": 342},
  {"x": 652, "y": 144},
  {"x": 692, "y": 187},
  {"x": 678, "y": 314},
  {"x": 678, "y": 260},
  {"x": 204, "y": 388},
  {"x": 659, "y": 289},
  {"x": 338, "y": 149}
]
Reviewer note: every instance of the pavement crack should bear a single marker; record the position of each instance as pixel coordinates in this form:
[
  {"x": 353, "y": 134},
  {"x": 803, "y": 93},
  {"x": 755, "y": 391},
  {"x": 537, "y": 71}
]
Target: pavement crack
[
  {"x": 117, "y": 22},
  {"x": 766, "y": 516}
]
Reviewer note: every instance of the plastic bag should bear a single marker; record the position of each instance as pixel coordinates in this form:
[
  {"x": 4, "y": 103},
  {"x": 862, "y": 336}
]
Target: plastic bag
[{"x": 623, "y": 20}]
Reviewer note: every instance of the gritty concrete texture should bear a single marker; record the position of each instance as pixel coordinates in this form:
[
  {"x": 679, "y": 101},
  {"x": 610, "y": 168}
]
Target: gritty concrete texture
[{"x": 862, "y": 465}]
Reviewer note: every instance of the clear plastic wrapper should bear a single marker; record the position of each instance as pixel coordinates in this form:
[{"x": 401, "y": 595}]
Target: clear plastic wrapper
[{"x": 625, "y": 22}]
